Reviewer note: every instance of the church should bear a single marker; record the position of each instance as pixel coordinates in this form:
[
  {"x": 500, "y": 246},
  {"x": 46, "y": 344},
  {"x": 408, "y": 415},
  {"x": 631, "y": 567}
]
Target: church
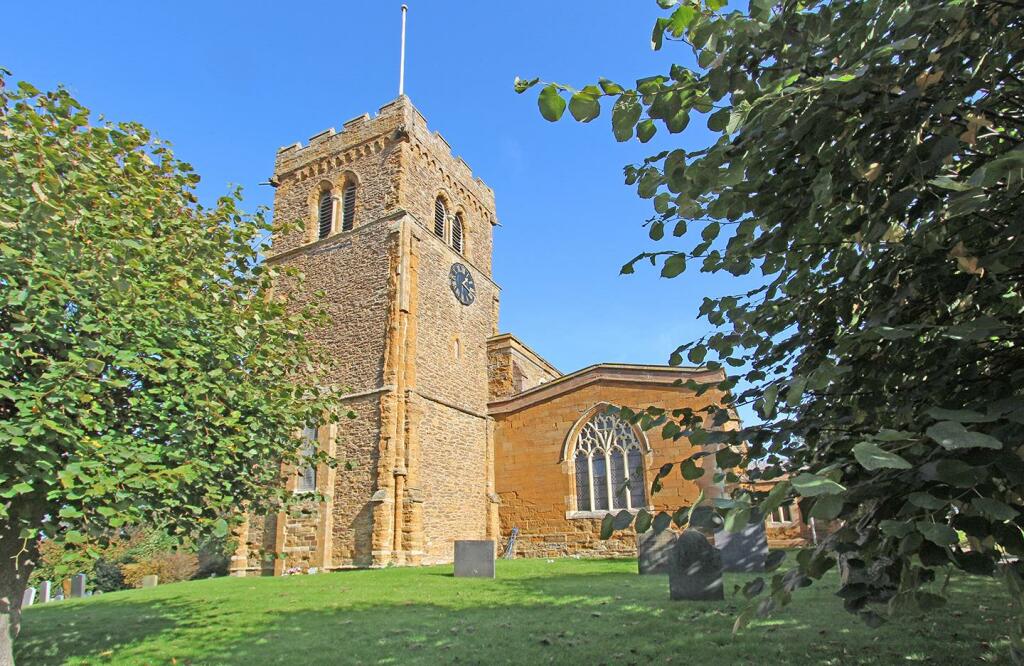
[{"x": 463, "y": 432}]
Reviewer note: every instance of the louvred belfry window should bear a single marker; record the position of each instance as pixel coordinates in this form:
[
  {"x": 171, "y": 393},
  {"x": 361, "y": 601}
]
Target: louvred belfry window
[
  {"x": 457, "y": 227},
  {"x": 348, "y": 214},
  {"x": 608, "y": 466},
  {"x": 440, "y": 215},
  {"x": 324, "y": 214}
]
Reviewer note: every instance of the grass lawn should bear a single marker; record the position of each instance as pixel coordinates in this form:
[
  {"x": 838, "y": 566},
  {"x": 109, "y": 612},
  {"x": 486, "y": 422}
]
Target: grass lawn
[{"x": 566, "y": 611}]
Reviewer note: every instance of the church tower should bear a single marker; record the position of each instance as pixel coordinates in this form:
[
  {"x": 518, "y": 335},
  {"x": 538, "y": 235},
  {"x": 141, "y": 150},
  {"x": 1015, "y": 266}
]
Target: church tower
[{"x": 397, "y": 233}]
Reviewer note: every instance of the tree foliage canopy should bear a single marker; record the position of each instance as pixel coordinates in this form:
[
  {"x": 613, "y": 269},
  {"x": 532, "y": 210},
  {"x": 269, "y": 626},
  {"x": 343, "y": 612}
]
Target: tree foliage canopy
[
  {"x": 147, "y": 374},
  {"x": 869, "y": 166}
]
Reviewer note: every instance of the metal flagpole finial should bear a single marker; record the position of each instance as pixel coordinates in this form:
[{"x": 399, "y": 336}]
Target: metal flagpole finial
[{"x": 401, "y": 65}]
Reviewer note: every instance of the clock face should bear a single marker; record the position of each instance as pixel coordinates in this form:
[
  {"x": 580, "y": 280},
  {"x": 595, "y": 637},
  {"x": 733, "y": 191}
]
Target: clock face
[{"x": 461, "y": 281}]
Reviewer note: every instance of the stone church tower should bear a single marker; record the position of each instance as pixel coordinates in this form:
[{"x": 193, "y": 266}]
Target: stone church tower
[{"x": 397, "y": 232}]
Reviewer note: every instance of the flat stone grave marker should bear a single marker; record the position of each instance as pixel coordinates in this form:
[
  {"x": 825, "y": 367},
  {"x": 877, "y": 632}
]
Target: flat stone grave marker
[
  {"x": 78, "y": 585},
  {"x": 474, "y": 559},
  {"x": 150, "y": 581},
  {"x": 654, "y": 551},
  {"x": 696, "y": 572},
  {"x": 44, "y": 592},
  {"x": 744, "y": 551},
  {"x": 29, "y": 597}
]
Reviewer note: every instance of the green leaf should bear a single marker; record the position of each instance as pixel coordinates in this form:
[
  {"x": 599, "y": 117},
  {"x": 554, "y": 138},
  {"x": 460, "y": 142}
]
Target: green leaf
[
  {"x": 645, "y": 130},
  {"x": 872, "y": 457},
  {"x": 522, "y": 85},
  {"x": 690, "y": 470},
  {"x": 774, "y": 560},
  {"x": 674, "y": 266},
  {"x": 220, "y": 528},
  {"x": 938, "y": 533},
  {"x": 583, "y": 106},
  {"x": 927, "y": 501},
  {"x": 776, "y": 496},
  {"x": 661, "y": 522},
  {"x": 827, "y": 507},
  {"x": 610, "y": 87},
  {"x": 952, "y": 435},
  {"x": 643, "y": 521},
  {"x": 753, "y": 588},
  {"x": 959, "y": 474},
  {"x": 994, "y": 509},
  {"x": 623, "y": 519},
  {"x": 737, "y": 518},
  {"x": 550, "y": 102},
  {"x": 625, "y": 115},
  {"x": 812, "y": 485},
  {"x": 719, "y": 120},
  {"x": 896, "y": 528},
  {"x": 959, "y": 415}
]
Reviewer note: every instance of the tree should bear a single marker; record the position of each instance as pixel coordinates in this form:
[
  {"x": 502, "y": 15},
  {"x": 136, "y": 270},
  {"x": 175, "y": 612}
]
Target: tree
[
  {"x": 147, "y": 373},
  {"x": 869, "y": 165}
]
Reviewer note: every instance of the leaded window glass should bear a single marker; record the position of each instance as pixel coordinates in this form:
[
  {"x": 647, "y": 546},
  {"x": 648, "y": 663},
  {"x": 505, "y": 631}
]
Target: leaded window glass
[
  {"x": 635, "y": 470},
  {"x": 608, "y": 465},
  {"x": 582, "y": 481}
]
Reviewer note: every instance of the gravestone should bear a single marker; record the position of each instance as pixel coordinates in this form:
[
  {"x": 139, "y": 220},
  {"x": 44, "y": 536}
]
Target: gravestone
[
  {"x": 44, "y": 592},
  {"x": 696, "y": 572},
  {"x": 744, "y": 551},
  {"x": 78, "y": 585},
  {"x": 474, "y": 559},
  {"x": 29, "y": 597},
  {"x": 654, "y": 551},
  {"x": 150, "y": 581}
]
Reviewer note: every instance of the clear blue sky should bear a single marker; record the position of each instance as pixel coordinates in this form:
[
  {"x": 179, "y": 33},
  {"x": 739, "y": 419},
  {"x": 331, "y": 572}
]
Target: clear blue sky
[{"x": 229, "y": 82}]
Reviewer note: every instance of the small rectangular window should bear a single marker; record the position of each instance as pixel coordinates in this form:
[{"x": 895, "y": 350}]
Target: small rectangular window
[
  {"x": 781, "y": 516},
  {"x": 307, "y": 473}
]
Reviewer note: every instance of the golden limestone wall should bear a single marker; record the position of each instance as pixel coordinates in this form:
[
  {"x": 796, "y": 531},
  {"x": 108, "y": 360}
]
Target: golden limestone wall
[
  {"x": 536, "y": 485},
  {"x": 413, "y": 358},
  {"x": 512, "y": 367},
  {"x": 452, "y": 396}
]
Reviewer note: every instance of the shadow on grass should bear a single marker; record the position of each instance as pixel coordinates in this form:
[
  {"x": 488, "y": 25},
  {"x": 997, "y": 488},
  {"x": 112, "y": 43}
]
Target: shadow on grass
[{"x": 427, "y": 616}]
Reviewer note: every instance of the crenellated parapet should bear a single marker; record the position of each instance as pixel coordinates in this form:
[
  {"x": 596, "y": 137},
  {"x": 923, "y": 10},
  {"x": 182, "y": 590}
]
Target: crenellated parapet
[{"x": 364, "y": 136}]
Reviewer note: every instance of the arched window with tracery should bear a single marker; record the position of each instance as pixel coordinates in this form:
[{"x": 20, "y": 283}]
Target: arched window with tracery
[
  {"x": 609, "y": 465},
  {"x": 440, "y": 217},
  {"x": 325, "y": 214},
  {"x": 457, "y": 230}
]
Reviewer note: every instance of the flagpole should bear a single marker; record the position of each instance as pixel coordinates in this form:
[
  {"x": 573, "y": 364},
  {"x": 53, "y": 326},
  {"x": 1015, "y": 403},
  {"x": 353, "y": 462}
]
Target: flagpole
[{"x": 401, "y": 66}]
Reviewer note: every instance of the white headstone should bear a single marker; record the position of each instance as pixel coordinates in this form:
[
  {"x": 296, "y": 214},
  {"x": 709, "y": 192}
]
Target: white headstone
[
  {"x": 150, "y": 581},
  {"x": 44, "y": 592},
  {"x": 78, "y": 585},
  {"x": 29, "y": 597}
]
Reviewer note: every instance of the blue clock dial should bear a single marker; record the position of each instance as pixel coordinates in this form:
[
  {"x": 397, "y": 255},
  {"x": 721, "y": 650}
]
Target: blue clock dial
[{"x": 461, "y": 282}]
